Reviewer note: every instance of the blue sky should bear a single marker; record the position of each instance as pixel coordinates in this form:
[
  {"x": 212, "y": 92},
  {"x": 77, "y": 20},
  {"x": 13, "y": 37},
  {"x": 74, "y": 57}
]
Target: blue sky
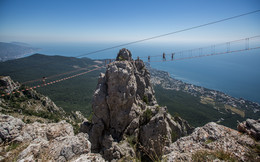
[{"x": 122, "y": 21}]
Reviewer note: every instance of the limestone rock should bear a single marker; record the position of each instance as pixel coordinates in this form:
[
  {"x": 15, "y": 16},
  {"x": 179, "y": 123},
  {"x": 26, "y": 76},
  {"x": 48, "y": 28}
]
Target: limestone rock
[
  {"x": 124, "y": 106},
  {"x": 210, "y": 138},
  {"x": 10, "y": 128},
  {"x": 90, "y": 157},
  {"x": 60, "y": 149},
  {"x": 77, "y": 115},
  {"x": 7, "y": 84},
  {"x": 45, "y": 131},
  {"x": 44, "y": 142},
  {"x": 162, "y": 130},
  {"x": 124, "y": 54},
  {"x": 251, "y": 127}
]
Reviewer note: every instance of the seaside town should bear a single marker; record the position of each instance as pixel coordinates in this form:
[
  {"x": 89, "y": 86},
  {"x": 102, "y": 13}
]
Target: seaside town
[{"x": 207, "y": 96}]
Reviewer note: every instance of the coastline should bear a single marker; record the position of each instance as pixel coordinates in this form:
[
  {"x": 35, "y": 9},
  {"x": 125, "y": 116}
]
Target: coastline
[{"x": 217, "y": 99}]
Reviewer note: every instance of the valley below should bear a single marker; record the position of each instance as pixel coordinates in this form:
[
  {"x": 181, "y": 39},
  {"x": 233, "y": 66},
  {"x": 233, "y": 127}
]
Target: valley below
[{"x": 196, "y": 104}]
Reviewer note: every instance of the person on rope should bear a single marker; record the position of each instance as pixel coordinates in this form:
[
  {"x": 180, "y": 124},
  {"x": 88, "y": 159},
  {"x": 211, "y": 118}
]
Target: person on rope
[
  {"x": 43, "y": 80},
  {"x": 148, "y": 58},
  {"x": 172, "y": 56},
  {"x": 164, "y": 59}
]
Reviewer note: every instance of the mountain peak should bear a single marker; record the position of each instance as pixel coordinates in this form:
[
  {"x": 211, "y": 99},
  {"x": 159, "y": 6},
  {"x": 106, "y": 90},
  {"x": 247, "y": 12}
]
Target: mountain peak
[
  {"x": 124, "y": 106},
  {"x": 124, "y": 54}
]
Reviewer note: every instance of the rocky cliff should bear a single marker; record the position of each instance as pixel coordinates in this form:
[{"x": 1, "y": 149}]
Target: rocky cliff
[
  {"x": 126, "y": 116},
  {"x": 44, "y": 142},
  {"x": 214, "y": 142}
]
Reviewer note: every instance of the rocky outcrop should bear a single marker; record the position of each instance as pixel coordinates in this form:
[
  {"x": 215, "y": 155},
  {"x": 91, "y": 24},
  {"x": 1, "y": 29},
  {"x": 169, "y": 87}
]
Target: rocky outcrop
[
  {"x": 46, "y": 142},
  {"x": 7, "y": 85},
  {"x": 41, "y": 140},
  {"x": 63, "y": 148},
  {"x": 45, "y": 131},
  {"x": 90, "y": 157},
  {"x": 251, "y": 127},
  {"x": 124, "y": 107},
  {"x": 28, "y": 105},
  {"x": 10, "y": 128},
  {"x": 213, "y": 142}
]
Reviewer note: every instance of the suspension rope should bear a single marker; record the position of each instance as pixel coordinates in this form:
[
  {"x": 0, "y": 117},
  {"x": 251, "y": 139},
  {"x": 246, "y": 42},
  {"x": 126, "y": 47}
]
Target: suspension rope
[
  {"x": 245, "y": 45},
  {"x": 52, "y": 82},
  {"x": 171, "y": 33},
  {"x": 150, "y": 38},
  {"x": 56, "y": 75}
]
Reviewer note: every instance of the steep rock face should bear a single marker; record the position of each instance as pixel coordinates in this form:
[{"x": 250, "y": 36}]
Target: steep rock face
[
  {"x": 124, "y": 106},
  {"x": 210, "y": 142},
  {"x": 46, "y": 142}
]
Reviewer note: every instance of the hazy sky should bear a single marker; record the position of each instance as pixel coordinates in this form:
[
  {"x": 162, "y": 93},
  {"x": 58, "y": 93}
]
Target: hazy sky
[{"x": 121, "y": 20}]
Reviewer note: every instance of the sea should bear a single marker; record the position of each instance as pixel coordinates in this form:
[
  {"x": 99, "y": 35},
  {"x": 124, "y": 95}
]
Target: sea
[{"x": 236, "y": 74}]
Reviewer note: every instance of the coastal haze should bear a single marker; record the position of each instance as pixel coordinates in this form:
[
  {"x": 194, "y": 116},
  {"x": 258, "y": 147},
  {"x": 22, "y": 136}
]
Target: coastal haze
[{"x": 236, "y": 74}]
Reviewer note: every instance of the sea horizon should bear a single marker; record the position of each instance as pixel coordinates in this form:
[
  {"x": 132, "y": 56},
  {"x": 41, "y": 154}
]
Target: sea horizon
[{"x": 235, "y": 74}]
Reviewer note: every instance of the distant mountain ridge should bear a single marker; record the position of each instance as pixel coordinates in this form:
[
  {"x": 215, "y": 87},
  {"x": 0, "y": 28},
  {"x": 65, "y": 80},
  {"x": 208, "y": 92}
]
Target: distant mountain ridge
[
  {"x": 14, "y": 50},
  {"x": 21, "y": 44}
]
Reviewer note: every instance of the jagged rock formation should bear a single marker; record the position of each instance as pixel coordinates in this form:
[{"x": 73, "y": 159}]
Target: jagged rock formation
[
  {"x": 38, "y": 141},
  {"x": 7, "y": 85},
  {"x": 10, "y": 128},
  {"x": 124, "y": 107},
  {"x": 213, "y": 142},
  {"x": 251, "y": 127}
]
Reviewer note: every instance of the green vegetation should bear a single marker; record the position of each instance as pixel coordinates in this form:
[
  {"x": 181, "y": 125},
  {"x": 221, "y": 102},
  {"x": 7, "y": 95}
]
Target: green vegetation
[
  {"x": 254, "y": 152},
  {"x": 12, "y": 146},
  {"x": 76, "y": 94},
  {"x": 145, "y": 99},
  {"x": 191, "y": 109},
  {"x": 208, "y": 141},
  {"x": 174, "y": 136},
  {"x": 212, "y": 155},
  {"x": 132, "y": 141},
  {"x": 75, "y": 126},
  {"x": 176, "y": 115},
  {"x": 121, "y": 58},
  {"x": 14, "y": 150},
  {"x": 147, "y": 115},
  {"x": 157, "y": 109},
  {"x": 43, "y": 114},
  {"x": 72, "y": 95},
  {"x": 90, "y": 117}
]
